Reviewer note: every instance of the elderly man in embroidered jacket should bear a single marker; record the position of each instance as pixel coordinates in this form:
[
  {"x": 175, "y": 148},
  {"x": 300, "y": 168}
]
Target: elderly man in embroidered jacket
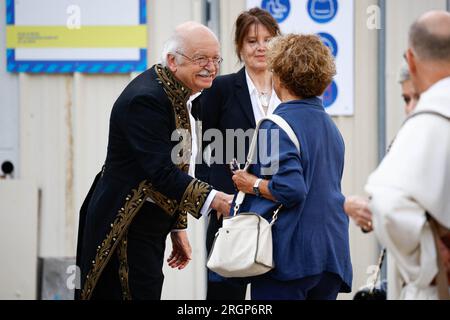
[
  {"x": 147, "y": 185},
  {"x": 414, "y": 178}
]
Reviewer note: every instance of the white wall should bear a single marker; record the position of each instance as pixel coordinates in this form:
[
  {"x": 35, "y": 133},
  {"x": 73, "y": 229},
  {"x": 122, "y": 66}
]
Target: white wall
[
  {"x": 360, "y": 138},
  {"x": 400, "y": 15},
  {"x": 18, "y": 248},
  {"x": 229, "y": 11}
]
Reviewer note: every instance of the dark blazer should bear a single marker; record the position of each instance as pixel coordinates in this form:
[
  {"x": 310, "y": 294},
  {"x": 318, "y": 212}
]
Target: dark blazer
[
  {"x": 138, "y": 166},
  {"x": 226, "y": 105},
  {"x": 310, "y": 235}
]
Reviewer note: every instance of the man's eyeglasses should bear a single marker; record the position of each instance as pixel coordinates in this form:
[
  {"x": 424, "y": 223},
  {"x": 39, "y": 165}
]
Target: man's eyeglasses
[{"x": 202, "y": 61}]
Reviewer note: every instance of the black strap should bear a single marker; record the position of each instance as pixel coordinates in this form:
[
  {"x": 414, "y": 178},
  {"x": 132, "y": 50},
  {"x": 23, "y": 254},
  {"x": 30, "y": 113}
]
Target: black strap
[
  {"x": 434, "y": 113},
  {"x": 420, "y": 113},
  {"x": 380, "y": 265}
]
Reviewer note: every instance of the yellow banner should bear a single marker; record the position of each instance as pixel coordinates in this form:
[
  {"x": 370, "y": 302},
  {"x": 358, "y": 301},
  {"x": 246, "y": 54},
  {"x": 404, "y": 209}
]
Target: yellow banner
[{"x": 85, "y": 37}]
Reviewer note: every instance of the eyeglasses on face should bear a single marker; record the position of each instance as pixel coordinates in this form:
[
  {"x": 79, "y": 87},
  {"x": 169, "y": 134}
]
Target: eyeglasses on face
[{"x": 202, "y": 61}]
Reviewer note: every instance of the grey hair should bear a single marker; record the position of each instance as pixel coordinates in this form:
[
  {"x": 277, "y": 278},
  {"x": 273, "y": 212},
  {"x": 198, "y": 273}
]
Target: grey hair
[
  {"x": 404, "y": 74},
  {"x": 171, "y": 46},
  {"x": 427, "y": 44}
]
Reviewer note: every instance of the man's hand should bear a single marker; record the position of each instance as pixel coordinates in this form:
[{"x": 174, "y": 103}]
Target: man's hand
[
  {"x": 222, "y": 204},
  {"x": 244, "y": 181},
  {"x": 357, "y": 208},
  {"x": 181, "y": 250}
]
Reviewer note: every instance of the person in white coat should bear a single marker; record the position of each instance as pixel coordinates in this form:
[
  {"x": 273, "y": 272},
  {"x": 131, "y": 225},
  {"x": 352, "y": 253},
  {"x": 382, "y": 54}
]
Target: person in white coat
[
  {"x": 414, "y": 177},
  {"x": 356, "y": 206}
]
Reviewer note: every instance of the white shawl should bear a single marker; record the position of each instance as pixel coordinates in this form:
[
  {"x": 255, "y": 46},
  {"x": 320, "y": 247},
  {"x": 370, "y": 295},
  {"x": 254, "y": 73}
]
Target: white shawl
[{"x": 412, "y": 179}]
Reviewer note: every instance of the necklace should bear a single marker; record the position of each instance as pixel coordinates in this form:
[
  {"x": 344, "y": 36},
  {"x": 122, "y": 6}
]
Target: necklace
[{"x": 264, "y": 98}]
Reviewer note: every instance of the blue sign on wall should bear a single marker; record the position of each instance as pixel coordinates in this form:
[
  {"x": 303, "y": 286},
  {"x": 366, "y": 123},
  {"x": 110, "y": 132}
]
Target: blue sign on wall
[
  {"x": 333, "y": 21},
  {"x": 330, "y": 42},
  {"x": 279, "y": 9},
  {"x": 330, "y": 95},
  {"x": 322, "y": 11}
]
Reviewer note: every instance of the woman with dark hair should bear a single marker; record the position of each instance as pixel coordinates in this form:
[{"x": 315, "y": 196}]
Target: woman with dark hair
[
  {"x": 237, "y": 101},
  {"x": 310, "y": 237}
]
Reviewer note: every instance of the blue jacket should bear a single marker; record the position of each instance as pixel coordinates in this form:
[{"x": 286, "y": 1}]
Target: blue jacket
[{"x": 311, "y": 233}]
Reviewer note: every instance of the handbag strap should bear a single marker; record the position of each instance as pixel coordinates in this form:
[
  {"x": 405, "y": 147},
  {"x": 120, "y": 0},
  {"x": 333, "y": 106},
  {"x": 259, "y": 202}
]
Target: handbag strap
[
  {"x": 282, "y": 124},
  {"x": 430, "y": 112},
  {"x": 251, "y": 153}
]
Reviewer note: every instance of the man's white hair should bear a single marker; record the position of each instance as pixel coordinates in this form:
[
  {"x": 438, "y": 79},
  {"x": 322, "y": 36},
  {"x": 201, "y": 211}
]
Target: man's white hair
[
  {"x": 171, "y": 46},
  {"x": 180, "y": 38}
]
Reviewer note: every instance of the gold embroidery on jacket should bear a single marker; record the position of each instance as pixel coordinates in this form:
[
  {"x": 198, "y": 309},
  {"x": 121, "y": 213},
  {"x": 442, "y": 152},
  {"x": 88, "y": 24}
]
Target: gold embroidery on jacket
[
  {"x": 182, "y": 221},
  {"x": 192, "y": 202},
  {"x": 118, "y": 228},
  {"x": 194, "y": 197},
  {"x": 170, "y": 206},
  {"x": 123, "y": 267},
  {"x": 178, "y": 95}
]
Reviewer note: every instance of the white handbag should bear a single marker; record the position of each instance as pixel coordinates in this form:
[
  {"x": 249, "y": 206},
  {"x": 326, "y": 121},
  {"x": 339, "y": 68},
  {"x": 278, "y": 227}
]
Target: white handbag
[{"x": 243, "y": 246}]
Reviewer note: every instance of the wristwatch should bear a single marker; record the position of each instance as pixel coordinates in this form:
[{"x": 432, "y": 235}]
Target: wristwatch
[{"x": 256, "y": 187}]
